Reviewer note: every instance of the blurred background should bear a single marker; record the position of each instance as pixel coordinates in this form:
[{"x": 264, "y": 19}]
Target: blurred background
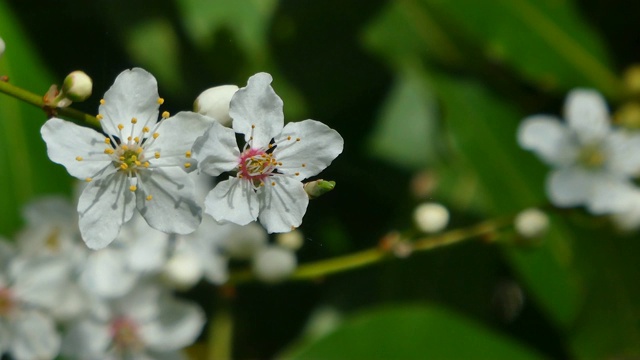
[{"x": 428, "y": 95}]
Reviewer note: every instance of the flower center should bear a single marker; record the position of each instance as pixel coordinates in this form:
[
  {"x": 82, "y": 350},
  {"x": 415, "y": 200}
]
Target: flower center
[
  {"x": 7, "y": 302},
  {"x": 130, "y": 159},
  {"x": 592, "y": 157},
  {"x": 256, "y": 165},
  {"x": 124, "y": 333}
]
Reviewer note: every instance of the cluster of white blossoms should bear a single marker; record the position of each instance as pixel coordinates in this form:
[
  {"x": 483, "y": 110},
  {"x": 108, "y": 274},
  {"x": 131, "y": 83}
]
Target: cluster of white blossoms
[{"x": 593, "y": 162}]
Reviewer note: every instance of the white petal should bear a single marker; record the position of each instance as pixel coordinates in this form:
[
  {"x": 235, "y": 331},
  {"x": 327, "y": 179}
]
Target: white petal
[
  {"x": 67, "y": 141},
  {"x": 551, "y": 140},
  {"x": 217, "y": 151},
  {"x": 569, "y": 186},
  {"x": 178, "y": 325},
  {"x": 244, "y": 241},
  {"x": 147, "y": 249},
  {"x": 36, "y": 337},
  {"x": 587, "y": 114},
  {"x": 173, "y": 208},
  {"x": 257, "y": 104},
  {"x": 233, "y": 200},
  {"x": 176, "y": 136},
  {"x": 106, "y": 273},
  {"x": 274, "y": 264},
  {"x": 142, "y": 304},
  {"x": 134, "y": 94},
  {"x": 103, "y": 207},
  {"x": 317, "y": 146},
  {"x": 41, "y": 282},
  {"x": 610, "y": 195},
  {"x": 623, "y": 151},
  {"x": 86, "y": 340},
  {"x": 282, "y": 205}
]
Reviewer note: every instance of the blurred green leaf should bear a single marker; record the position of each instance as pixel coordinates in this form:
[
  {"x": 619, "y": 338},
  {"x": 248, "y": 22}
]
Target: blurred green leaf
[
  {"x": 544, "y": 40},
  {"x": 484, "y": 130},
  {"x": 411, "y": 332},
  {"x": 26, "y": 170},
  {"x": 406, "y": 131}
]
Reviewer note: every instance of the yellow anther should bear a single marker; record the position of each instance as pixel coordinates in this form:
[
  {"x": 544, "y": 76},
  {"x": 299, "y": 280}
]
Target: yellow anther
[
  {"x": 304, "y": 165},
  {"x": 145, "y": 129},
  {"x": 160, "y": 101},
  {"x": 134, "y": 120},
  {"x": 128, "y": 138},
  {"x": 139, "y": 150},
  {"x": 149, "y": 197},
  {"x": 121, "y": 158},
  {"x": 133, "y": 188},
  {"x": 155, "y": 135},
  {"x": 108, "y": 151},
  {"x": 79, "y": 158},
  {"x": 124, "y": 147},
  {"x": 261, "y": 183},
  {"x": 280, "y": 163},
  {"x": 138, "y": 162},
  {"x": 124, "y": 166},
  {"x": 157, "y": 155},
  {"x": 288, "y": 137},
  {"x": 273, "y": 183},
  {"x": 102, "y": 102},
  {"x": 250, "y": 138},
  {"x": 187, "y": 154},
  {"x": 146, "y": 164},
  {"x": 293, "y": 227},
  {"x": 187, "y": 165},
  {"x": 99, "y": 117},
  {"x": 107, "y": 141},
  {"x": 165, "y": 114},
  {"x": 297, "y": 174},
  {"x": 239, "y": 176},
  {"x": 88, "y": 179},
  {"x": 297, "y": 139},
  {"x": 253, "y": 126},
  {"x": 136, "y": 139},
  {"x": 133, "y": 158},
  {"x": 120, "y": 126}
]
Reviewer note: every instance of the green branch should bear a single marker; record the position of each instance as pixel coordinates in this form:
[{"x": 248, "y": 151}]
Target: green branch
[{"x": 36, "y": 100}]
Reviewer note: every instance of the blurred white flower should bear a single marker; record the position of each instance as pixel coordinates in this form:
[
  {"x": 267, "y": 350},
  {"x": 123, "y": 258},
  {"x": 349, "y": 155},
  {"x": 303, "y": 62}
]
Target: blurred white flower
[
  {"x": 592, "y": 162},
  {"x": 291, "y": 240},
  {"x": 245, "y": 241},
  {"x": 214, "y": 103},
  {"x": 271, "y": 165},
  {"x": 531, "y": 223},
  {"x": 142, "y": 162},
  {"x": 147, "y": 323},
  {"x": 273, "y": 264},
  {"x": 431, "y": 217},
  {"x": 629, "y": 219}
]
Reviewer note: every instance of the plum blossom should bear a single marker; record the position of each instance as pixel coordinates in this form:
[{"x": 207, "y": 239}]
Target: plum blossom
[
  {"x": 272, "y": 164},
  {"x": 592, "y": 161},
  {"x": 141, "y": 162}
]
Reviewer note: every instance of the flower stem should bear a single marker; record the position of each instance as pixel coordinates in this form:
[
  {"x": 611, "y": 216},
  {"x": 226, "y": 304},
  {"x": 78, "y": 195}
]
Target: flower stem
[
  {"x": 376, "y": 255},
  {"x": 220, "y": 333},
  {"x": 36, "y": 100}
]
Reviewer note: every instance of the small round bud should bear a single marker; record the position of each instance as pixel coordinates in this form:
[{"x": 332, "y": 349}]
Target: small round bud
[
  {"x": 291, "y": 240},
  {"x": 245, "y": 242},
  {"x": 214, "y": 103},
  {"x": 274, "y": 264},
  {"x": 431, "y": 217},
  {"x": 318, "y": 187},
  {"x": 77, "y": 86},
  {"x": 181, "y": 271},
  {"x": 2, "y": 47},
  {"x": 531, "y": 223}
]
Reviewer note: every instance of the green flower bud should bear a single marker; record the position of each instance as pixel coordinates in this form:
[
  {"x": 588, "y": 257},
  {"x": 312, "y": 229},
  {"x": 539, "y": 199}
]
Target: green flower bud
[
  {"x": 318, "y": 187},
  {"x": 77, "y": 86}
]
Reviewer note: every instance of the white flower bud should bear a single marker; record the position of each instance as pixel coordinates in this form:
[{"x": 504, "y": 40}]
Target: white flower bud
[
  {"x": 431, "y": 217},
  {"x": 77, "y": 86},
  {"x": 274, "y": 264},
  {"x": 2, "y": 47},
  {"x": 291, "y": 240},
  {"x": 214, "y": 103},
  {"x": 531, "y": 223},
  {"x": 181, "y": 271},
  {"x": 244, "y": 242}
]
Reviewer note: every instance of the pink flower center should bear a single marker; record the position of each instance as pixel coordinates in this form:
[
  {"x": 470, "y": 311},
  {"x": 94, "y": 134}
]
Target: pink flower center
[
  {"x": 256, "y": 165},
  {"x": 124, "y": 332}
]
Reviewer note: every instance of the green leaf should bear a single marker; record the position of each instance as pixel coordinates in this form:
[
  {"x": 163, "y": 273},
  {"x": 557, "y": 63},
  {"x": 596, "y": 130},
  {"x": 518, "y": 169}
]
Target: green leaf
[
  {"x": 546, "y": 41},
  {"x": 411, "y": 332},
  {"x": 484, "y": 130},
  {"x": 406, "y": 132},
  {"x": 26, "y": 170}
]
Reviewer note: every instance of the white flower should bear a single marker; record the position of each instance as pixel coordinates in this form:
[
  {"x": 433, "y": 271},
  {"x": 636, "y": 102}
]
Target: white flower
[
  {"x": 271, "y": 165},
  {"x": 273, "y": 264},
  {"x": 145, "y": 324},
  {"x": 593, "y": 162},
  {"x": 140, "y": 163}
]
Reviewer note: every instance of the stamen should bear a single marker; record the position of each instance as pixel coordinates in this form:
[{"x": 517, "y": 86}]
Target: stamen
[
  {"x": 188, "y": 154},
  {"x": 108, "y": 151},
  {"x": 160, "y": 101},
  {"x": 99, "y": 117},
  {"x": 297, "y": 174},
  {"x": 166, "y": 114},
  {"x": 157, "y": 155},
  {"x": 102, "y": 102},
  {"x": 253, "y": 126},
  {"x": 145, "y": 129},
  {"x": 139, "y": 150},
  {"x": 134, "y": 120},
  {"x": 155, "y": 135},
  {"x": 120, "y": 126},
  {"x": 273, "y": 183},
  {"x": 124, "y": 147},
  {"x": 107, "y": 141},
  {"x": 297, "y": 139},
  {"x": 129, "y": 138},
  {"x": 149, "y": 197},
  {"x": 78, "y": 158},
  {"x": 304, "y": 165},
  {"x": 187, "y": 165},
  {"x": 136, "y": 139},
  {"x": 124, "y": 166},
  {"x": 133, "y": 188},
  {"x": 288, "y": 137},
  {"x": 88, "y": 179},
  {"x": 146, "y": 164}
]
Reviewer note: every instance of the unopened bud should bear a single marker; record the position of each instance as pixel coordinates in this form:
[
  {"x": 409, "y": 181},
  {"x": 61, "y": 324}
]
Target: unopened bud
[
  {"x": 181, "y": 271},
  {"x": 2, "y": 47},
  {"x": 274, "y": 264},
  {"x": 431, "y": 217},
  {"x": 318, "y": 188},
  {"x": 77, "y": 86},
  {"x": 531, "y": 223},
  {"x": 214, "y": 103},
  {"x": 291, "y": 240}
]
